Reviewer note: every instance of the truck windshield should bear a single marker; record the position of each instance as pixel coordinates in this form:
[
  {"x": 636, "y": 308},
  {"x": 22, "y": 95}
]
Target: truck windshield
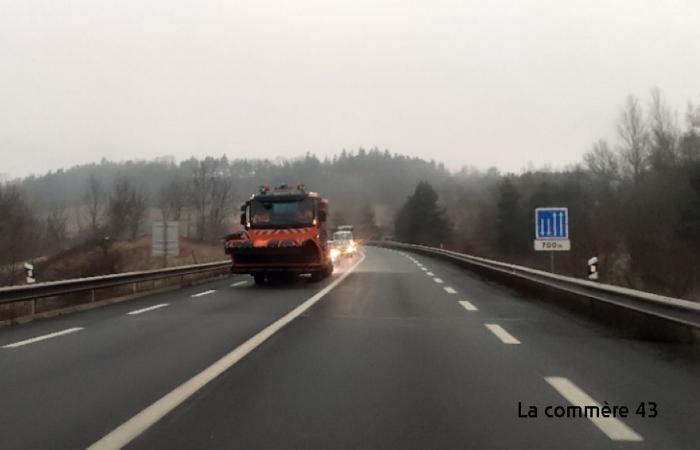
[{"x": 273, "y": 214}]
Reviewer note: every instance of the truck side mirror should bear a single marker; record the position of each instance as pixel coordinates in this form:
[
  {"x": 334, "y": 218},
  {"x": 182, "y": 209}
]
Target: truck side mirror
[{"x": 243, "y": 221}]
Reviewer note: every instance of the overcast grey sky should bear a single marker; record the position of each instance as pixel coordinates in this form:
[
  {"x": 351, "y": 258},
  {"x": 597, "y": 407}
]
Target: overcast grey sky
[{"x": 478, "y": 83}]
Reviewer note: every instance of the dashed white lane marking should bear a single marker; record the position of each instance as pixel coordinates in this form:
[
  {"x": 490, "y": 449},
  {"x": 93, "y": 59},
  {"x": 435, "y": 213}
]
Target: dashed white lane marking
[
  {"x": 239, "y": 283},
  {"x": 211, "y": 291},
  {"x": 449, "y": 290},
  {"x": 468, "y": 305},
  {"x": 424, "y": 269},
  {"x": 502, "y": 334},
  {"x": 430, "y": 274},
  {"x": 132, "y": 428},
  {"x": 438, "y": 280},
  {"x": 43, "y": 337},
  {"x": 613, "y": 428},
  {"x": 143, "y": 310}
]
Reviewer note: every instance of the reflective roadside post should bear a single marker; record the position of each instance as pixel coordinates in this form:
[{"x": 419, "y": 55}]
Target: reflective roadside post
[
  {"x": 29, "y": 273},
  {"x": 593, "y": 268}
]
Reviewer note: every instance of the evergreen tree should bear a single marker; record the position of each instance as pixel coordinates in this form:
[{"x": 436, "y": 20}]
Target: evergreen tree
[
  {"x": 689, "y": 227},
  {"x": 421, "y": 220},
  {"x": 368, "y": 228},
  {"x": 508, "y": 220},
  {"x": 338, "y": 218}
]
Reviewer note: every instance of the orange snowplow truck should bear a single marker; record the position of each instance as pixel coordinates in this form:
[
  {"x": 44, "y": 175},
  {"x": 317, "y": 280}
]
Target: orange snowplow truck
[{"x": 285, "y": 234}]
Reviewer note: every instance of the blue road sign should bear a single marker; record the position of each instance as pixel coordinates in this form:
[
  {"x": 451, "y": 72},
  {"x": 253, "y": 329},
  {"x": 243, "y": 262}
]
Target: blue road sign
[{"x": 552, "y": 223}]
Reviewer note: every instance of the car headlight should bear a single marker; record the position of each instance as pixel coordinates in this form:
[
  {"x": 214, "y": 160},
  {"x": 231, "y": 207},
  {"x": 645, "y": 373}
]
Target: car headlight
[{"x": 334, "y": 253}]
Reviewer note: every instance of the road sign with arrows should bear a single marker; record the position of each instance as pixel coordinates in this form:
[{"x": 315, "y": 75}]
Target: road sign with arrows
[{"x": 552, "y": 229}]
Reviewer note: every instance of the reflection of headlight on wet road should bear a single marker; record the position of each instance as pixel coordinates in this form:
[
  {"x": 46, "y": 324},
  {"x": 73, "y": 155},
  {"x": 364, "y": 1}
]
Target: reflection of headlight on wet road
[{"x": 335, "y": 253}]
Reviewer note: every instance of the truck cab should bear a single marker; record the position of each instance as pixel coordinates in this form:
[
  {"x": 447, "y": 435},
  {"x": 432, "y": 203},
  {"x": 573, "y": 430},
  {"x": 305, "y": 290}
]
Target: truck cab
[{"x": 284, "y": 234}]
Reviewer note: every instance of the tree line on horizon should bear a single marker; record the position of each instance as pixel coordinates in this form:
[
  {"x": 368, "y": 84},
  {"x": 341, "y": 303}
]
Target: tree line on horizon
[
  {"x": 634, "y": 203},
  {"x": 89, "y": 203}
]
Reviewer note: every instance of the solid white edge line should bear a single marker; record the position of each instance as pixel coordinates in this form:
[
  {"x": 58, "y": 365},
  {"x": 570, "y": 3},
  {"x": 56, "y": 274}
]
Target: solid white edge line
[
  {"x": 449, "y": 290},
  {"x": 438, "y": 280},
  {"x": 143, "y": 310},
  {"x": 469, "y": 306},
  {"x": 42, "y": 337},
  {"x": 239, "y": 283},
  {"x": 210, "y": 291},
  {"x": 501, "y": 333},
  {"x": 613, "y": 428},
  {"x": 132, "y": 428}
]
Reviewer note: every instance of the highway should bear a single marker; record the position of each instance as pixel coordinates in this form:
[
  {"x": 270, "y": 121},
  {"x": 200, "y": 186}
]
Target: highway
[{"x": 395, "y": 351}]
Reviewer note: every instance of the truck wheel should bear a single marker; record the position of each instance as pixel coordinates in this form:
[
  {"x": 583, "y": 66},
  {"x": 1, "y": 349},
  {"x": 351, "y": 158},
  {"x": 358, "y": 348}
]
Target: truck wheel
[
  {"x": 327, "y": 272},
  {"x": 316, "y": 276},
  {"x": 259, "y": 279}
]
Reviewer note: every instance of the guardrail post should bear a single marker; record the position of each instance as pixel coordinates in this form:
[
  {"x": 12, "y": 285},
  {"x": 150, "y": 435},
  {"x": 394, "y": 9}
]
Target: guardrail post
[
  {"x": 134, "y": 287},
  {"x": 33, "y": 306},
  {"x": 92, "y": 295}
]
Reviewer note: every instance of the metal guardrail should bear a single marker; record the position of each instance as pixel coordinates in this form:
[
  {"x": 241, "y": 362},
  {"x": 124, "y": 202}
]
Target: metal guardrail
[
  {"x": 32, "y": 292},
  {"x": 680, "y": 311}
]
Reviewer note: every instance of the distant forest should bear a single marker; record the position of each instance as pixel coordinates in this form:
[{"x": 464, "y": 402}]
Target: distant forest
[{"x": 634, "y": 202}]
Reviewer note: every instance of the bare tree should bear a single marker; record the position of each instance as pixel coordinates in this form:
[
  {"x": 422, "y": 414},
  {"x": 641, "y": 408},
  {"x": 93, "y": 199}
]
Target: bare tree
[
  {"x": 663, "y": 133},
  {"x": 172, "y": 199},
  {"x": 602, "y": 162},
  {"x": 56, "y": 227},
  {"x": 221, "y": 190},
  {"x": 17, "y": 232},
  {"x": 634, "y": 136},
  {"x": 138, "y": 204},
  {"x": 126, "y": 209},
  {"x": 118, "y": 206},
  {"x": 94, "y": 199},
  {"x": 210, "y": 193},
  {"x": 202, "y": 179},
  {"x": 689, "y": 145}
]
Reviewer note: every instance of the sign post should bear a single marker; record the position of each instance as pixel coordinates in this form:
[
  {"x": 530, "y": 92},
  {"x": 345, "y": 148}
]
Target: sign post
[{"x": 552, "y": 231}]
